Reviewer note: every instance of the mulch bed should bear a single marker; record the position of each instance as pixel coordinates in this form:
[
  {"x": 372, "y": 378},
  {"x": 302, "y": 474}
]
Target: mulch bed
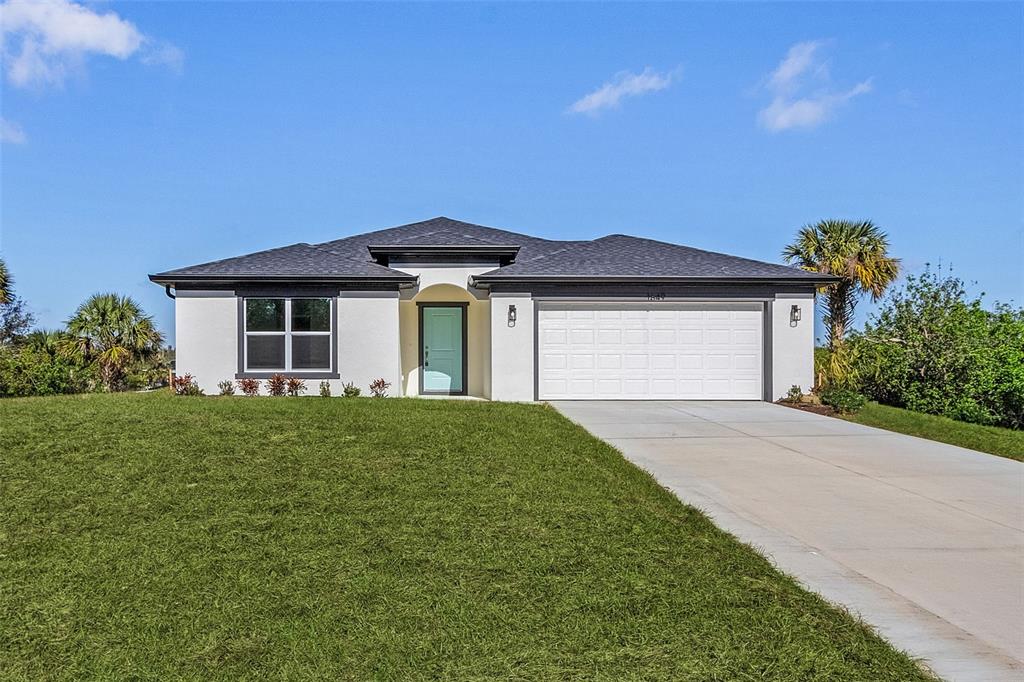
[{"x": 809, "y": 407}]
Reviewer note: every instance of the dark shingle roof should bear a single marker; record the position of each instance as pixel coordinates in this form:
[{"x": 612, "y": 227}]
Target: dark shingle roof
[
  {"x": 620, "y": 255},
  {"x": 614, "y": 256},
  {"x": 297, "y": 260},
  {"x": 438, "y": 231}
]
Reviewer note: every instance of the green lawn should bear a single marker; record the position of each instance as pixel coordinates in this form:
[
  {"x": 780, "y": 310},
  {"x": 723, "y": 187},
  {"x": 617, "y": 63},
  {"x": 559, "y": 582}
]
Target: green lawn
[
  {"x": 152, "y": 537},
  {"x": 991, "y": 439}
]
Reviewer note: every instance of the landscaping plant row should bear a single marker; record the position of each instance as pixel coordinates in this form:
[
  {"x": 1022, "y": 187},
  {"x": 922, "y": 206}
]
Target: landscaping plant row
[{"x": 277, "y": 385}]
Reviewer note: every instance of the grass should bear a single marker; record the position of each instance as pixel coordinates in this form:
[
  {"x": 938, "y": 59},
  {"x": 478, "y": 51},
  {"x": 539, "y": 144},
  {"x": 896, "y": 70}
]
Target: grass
[
  {"x": 991, "y": 439},
  {"x": 152, "y": 537}
]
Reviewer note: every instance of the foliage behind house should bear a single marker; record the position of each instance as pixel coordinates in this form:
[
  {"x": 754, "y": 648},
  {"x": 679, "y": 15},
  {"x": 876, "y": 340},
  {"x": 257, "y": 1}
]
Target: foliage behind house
[{"x": 933, "y": 349}]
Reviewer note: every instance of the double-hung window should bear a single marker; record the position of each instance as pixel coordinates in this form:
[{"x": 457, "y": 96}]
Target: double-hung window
[{"x": 288, "y": 335}]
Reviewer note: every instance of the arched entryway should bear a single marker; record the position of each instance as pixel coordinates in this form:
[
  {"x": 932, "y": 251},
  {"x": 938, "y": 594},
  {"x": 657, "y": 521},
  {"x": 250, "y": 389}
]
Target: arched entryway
[{"x": 458, "y": 326}]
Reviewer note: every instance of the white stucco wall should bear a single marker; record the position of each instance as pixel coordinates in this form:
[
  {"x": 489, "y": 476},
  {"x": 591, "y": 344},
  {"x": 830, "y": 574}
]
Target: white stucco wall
[
  {"x": 206, "y": 331},
  {"x": 368, "y": 340},
  {"x": 512, "y": 348},
  {"x": 792, "y": 346}
]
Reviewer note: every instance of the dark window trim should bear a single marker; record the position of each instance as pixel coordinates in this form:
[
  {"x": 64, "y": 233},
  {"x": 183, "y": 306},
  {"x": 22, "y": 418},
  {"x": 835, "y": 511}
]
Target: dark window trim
[
  {"x": 241, "y": 372},
  {"x": 465, "y": 345},
  {"x": 296, "y": 374}
]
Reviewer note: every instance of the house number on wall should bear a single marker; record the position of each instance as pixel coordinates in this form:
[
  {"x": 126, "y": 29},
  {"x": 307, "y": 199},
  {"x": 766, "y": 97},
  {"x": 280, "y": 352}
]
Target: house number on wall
[{"x": 655, "y": 297}]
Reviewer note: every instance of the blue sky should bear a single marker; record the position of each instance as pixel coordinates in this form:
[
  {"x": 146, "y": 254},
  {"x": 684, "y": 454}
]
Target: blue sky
[{"x": 144, "y": 136}]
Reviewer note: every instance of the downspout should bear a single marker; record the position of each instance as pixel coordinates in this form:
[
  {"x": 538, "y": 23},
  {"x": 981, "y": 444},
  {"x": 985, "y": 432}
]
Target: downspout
[{"x": 167, "y": 290}]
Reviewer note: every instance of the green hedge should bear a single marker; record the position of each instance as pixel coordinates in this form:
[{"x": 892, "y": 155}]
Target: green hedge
[
  {"x": 932, "y": 349},
  {"x": 28, "y": 371}
]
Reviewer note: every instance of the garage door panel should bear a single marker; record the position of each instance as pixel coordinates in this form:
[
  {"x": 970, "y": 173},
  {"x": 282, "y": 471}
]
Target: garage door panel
[
  {"x": 744, "y": 337},
  {"x": 553, "y": 361},
  {"x": 581, "y": 336},
  {"x": 582, "y": 361},
  {"x": 583, "y": 387},
  {"x": 634, "y": 337},
  {"x": 747, "y": 362},
  {"x": 690, "y": 337},
  {"x": 662, "y": 351},
  {"x": 718, "y": 337},
  {"x": 632, "y": 361},
  {"x": 718, "y": 361},
  {"x": 663, "y": 387},
  {"x": 691, "y": 362},
  {"x": 743, "y": 386},
  {"x": 634, "y": 387},
  {"x": 663, "y": 361},
  {"x": 551, "y": 337}
]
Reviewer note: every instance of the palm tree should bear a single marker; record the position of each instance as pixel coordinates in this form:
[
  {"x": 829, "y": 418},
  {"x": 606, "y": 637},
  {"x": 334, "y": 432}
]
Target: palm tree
[
  {"x": 44, "y": 341},
  {"x": 113, "y": 332},
  {"x": 5, "y": 283},
  {"x": 855, "y": 251}
]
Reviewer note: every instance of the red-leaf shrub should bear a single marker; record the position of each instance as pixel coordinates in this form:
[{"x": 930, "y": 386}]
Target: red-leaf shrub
[
  {"x": 379, "y": 388},
  {"x": 185, "y": 385},
  {"x": 295, "y": 386},
  {"x": 250, "y": 387},
  {"x": 277, "y": 384}
]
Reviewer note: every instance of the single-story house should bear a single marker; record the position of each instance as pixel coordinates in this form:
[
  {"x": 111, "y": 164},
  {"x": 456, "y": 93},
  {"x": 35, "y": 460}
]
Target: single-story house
[{"x": 443, "y": 307}]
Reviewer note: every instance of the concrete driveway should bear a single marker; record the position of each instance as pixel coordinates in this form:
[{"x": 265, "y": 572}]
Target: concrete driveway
[{"x": 924, "y": 540}]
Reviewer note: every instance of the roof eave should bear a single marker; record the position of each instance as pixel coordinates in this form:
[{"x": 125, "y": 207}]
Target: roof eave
[
  {"x": 637, "y": 279},
  {"x": 172, "y": 279},
  {"x": 434, "y": 249}
]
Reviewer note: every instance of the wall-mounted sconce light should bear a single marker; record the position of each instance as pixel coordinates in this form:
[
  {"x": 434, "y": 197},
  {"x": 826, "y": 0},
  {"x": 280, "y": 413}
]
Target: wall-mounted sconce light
[
  {"x": 511, "y": 316},
  {"x": 794, "y": 315}
]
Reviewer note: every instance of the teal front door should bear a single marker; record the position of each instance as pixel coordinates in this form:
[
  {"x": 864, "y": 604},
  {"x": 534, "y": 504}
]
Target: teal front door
[{"x": 442, "y": 349}]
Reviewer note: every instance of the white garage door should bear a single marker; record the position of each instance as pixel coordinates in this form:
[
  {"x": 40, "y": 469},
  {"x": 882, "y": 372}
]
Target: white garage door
[{"x": 603, "y": 351}]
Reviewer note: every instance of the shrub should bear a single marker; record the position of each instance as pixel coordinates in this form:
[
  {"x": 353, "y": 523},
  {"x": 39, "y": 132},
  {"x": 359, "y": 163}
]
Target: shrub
[
  {"x": 325, "y": 389},
  {"x": 350, "y": 390},
  {"x": 837, "y": 368},
  {"x": 28, "y": 370},
  {"x": 379, "y": 388},
  {"x": 227, "y": 387},
  {"x": 250, "y": 387},
  {"x": 794, "y": 394},
  {"x": 295, "y": 386},
  {"x": 843, "y": 401},
  {"x": 932, "y": 349},
  {"x": 277, "y": 384},
  {"x": 185, "y": 385}
]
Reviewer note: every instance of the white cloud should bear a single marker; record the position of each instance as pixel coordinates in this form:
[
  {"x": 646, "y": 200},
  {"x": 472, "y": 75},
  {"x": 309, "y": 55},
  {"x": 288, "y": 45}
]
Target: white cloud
[
  {"x": 799, "y": 60},
  {"x": 792, "y": 106},
  {"x": 806, "y": 112},
  {"x": 163, "y": 54},
  {"x": 44, "y": 40},
  {"x": 624, "y": 84},
  {"x": 11, "y": 132}
]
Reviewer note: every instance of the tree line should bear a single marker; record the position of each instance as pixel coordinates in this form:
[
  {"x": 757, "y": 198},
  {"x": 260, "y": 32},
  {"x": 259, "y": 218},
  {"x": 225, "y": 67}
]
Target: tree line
[
  {"x": 930, "y": 348},
  {"x": 108, "y": 344}
]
